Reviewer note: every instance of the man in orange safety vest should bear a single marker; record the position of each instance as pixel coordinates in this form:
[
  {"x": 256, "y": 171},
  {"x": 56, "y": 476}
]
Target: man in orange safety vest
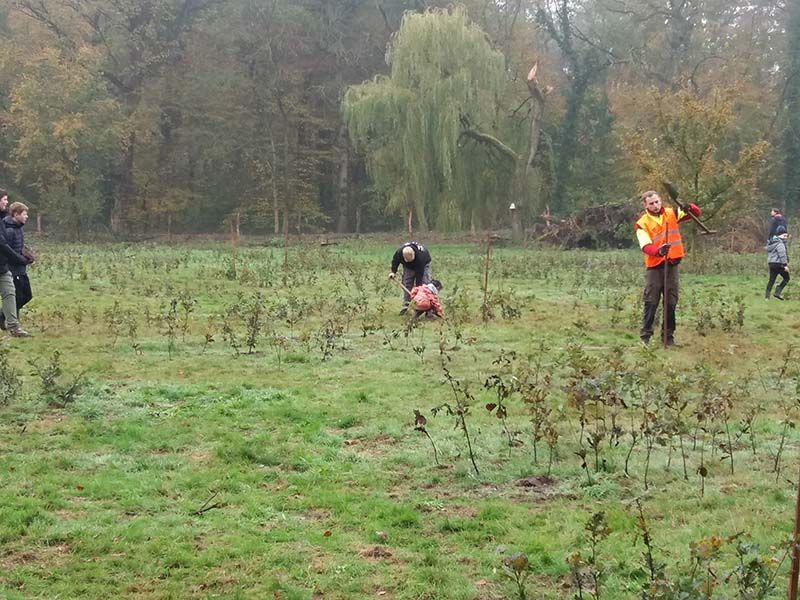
[{"x": 660, "y": 240}]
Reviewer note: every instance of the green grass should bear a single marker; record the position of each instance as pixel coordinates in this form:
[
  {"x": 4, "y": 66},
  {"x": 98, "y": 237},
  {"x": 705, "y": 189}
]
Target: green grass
[{"x": 190, "y": 468}]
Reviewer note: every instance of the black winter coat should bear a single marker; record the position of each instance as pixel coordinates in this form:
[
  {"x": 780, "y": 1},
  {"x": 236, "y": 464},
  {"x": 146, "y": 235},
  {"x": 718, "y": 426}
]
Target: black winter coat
[
  {"x": 16, "y": 239},
  {"x": 774, "y": 223},
  {"x": 421, "y": 258},
  {"x": 9, "y": 257}
]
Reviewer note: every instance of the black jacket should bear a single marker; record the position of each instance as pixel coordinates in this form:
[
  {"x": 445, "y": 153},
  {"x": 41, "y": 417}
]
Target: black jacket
[
  {"x": 8, "y": 257},
  {"x": 421, "y": 258},
  {"x": 15, "y": 239},
  {"x": 774, "y": 223}
]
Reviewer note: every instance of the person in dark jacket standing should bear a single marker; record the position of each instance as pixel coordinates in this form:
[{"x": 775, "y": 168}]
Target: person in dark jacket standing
[
  {"x": 13, "y": 223},
  {"x": 778, "y": 260},
  {"x": 416, "y": 261},
  {"x": 7, "y": 291},
  {"x": 776, "y": 219},
  {"x": 3, "y": 203}
]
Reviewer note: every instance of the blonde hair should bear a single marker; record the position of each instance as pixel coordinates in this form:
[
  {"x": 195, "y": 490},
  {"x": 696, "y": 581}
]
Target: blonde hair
[
  {"x": 16, "y": 208},
  {"x": 408, "y": 253}
]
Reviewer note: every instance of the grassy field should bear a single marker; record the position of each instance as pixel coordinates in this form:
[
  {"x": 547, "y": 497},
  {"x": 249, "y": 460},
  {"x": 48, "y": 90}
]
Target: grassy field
[{"x": 189, "y": 425}]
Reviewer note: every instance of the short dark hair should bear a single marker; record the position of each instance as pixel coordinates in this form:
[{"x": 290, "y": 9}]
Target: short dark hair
[
  {"x": 3, "y": 192},
  {"x": 647, "y": 194}
]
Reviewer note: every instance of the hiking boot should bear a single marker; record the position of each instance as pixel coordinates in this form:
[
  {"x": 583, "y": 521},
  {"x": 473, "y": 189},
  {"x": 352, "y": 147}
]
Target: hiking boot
[
  {"x": 18, "y": 332},
  {"x": 2, "y": 320},
  {"x": 778, "y": 296},
  {"x": 404, "y": 310}
]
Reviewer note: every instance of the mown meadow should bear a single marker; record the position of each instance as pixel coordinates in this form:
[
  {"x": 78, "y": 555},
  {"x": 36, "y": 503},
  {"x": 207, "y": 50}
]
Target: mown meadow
[{"x": 191, "y": 421}]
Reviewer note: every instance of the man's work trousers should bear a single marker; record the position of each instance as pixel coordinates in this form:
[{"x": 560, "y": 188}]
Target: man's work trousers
[
  {"x": 412, "y": 279},
  {"x": 9, "y": 297},
  {"x": 776, "y": 269},
  {"x": 653, "y": 291}
]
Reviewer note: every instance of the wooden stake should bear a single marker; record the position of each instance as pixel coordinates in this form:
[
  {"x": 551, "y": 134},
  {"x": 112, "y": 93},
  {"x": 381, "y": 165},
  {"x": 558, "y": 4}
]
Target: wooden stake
[
  {"x": 486, "y": 277},
  {"x": 665, "y": 309},
  {"x": 795, "y": 549},
  {"x": 233, "y": 248}
]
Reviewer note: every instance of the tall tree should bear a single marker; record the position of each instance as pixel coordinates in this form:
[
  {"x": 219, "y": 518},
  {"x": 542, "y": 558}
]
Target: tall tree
[
  {"x": 137, "y": 39},
  {"x": 437, "y": 138},
  {"x": 585, "y": 65},
  {"x": 688, "y": 139},
  {"x": 791, "y": 137}
]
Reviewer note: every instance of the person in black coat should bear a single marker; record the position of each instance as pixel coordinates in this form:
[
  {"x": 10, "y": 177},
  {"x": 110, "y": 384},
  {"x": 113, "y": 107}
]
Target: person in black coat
[
  {"x": 776, "y": 219},
  {"x": 8, "y": 258},
  {"x": 13, "y": 224},
  {"x": 416, "y": 261}
]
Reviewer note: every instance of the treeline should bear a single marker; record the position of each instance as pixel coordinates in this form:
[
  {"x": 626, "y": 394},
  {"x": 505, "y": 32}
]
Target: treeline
[{"x": 186, "y": 115}]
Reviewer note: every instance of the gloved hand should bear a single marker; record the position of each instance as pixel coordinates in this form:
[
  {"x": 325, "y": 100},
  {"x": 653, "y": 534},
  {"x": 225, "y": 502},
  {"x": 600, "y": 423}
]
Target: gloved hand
[
  {"x": 663, "y": 250},
  {"x": 694, "y": 209},
  {"x": 392, "y": 275}
]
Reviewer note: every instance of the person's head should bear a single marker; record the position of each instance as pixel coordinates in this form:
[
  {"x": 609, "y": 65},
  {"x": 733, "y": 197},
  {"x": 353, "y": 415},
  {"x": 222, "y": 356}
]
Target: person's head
[
  {"x": 408, "y": 254},
  {"x": 19, "y": 212},
  {"x": 781, "y": 232},
  {"x": 3, "y": 199},
  {"x": 437, "y": 284},
  {"x": 652, "y": 202},
  {"x": 774, "y": 212}
]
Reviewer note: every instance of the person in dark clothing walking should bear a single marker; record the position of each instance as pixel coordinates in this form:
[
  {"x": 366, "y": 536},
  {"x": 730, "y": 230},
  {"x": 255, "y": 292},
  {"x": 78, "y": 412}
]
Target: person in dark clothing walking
[
  {"x": 416, "y": 261},
  {"x": 13, "y": 223},
  {"x": 778, "y": 260},
  {"x": 776, "y": 219},
  {"x": 7, "y": 290},
  {"x": 3, "y": 203}
]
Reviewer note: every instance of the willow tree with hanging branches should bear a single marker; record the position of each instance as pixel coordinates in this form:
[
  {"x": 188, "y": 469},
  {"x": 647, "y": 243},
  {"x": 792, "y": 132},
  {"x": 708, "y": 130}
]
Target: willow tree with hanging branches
[{"x": 438, "y": 140}]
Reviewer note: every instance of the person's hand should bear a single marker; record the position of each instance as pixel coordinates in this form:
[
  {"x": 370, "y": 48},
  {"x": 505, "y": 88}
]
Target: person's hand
[
  {"x": 392, "y": 275},
  {"x": 662, "y": 251},
  {"x": 786, "y": 268},
  {"x": 694, "y": 209}
]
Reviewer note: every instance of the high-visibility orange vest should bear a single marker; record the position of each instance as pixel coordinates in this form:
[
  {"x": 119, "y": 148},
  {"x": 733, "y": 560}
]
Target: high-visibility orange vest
[{"x": 665, "y": 232}]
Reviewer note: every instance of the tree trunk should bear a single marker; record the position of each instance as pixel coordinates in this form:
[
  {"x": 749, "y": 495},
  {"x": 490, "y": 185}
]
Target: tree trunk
[
  {"x": 791, "y": 140},
  {"x": 410, "y": 221},
  {"x": 39, "y": 223},
  {"x": 124, "y": 195},
  {"x": 342, "y": 195},
  {"x": 516, "y": 225},
  {"x": 567, "y": 139},
  {"x": 276, "y": 212}
]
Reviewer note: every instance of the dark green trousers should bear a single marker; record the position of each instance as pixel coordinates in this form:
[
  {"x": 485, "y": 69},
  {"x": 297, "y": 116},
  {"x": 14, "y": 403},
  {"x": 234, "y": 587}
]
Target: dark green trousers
[{"x": 653, "y": 292}]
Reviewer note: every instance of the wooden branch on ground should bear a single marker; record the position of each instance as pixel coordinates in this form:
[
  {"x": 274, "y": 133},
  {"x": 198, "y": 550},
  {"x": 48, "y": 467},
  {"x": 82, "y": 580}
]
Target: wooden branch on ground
[{"x": 207, "y": 507}]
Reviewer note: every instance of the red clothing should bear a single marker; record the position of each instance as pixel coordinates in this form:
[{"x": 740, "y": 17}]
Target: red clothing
[{"x": 426, "y": 299}]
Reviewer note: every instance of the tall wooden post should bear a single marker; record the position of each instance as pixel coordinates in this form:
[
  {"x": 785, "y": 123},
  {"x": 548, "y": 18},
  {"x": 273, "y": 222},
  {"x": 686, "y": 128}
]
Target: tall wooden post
[{"x": 795, "y": 549}]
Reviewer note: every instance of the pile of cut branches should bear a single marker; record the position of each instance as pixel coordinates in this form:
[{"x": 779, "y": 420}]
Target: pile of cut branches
[{"x": 602, "y": 226}]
